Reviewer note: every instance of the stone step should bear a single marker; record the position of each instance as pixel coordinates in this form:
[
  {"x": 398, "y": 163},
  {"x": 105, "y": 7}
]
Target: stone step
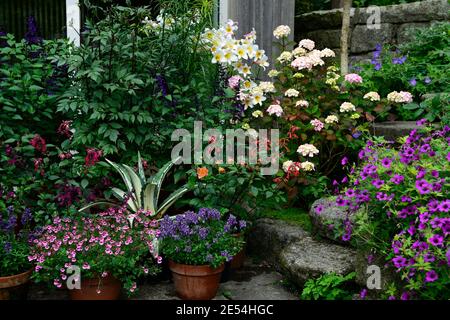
[{"x": 292, "y": 251}]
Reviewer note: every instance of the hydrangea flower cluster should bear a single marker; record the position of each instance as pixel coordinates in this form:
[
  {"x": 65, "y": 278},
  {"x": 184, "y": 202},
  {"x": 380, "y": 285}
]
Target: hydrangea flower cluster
[
  {"x": 201, "y": 238},
  {"x": 107, "y": 244},
  {"x": 406, "y": 192}
]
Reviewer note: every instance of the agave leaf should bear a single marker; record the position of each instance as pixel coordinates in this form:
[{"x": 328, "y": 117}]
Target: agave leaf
[
  {"x": 149, "y": 196},
  {"x": 99, "y": 203},
  {"x": 171, "y": 199},
  {"x": 121, "y": 195},
  {"x": 141, "y": 169},
  {"x": 159, "y": 178},
  {"x": 126, "y": 179},
  {"x": 137, "y": 184}
]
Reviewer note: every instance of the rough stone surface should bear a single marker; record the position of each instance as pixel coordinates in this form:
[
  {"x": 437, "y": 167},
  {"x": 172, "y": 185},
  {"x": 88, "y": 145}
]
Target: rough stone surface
[
  {"x": 420, "y": 11},
  {"x": 308, "y": 258},
  {"x": 392, "y": 130},
  {"x": 324, "y": 26},
  {"x": 365, "y": 39},
  {"x": 405, "y": 32},
  {"x": 326, "y": 38},
  {"x": 365, "y": 276},
  {"x": 324, "y": 212},
  {"x": 270, "y": 237},
  {"x": 253, "y": 282},
  {"x": 296, "y": 254}
]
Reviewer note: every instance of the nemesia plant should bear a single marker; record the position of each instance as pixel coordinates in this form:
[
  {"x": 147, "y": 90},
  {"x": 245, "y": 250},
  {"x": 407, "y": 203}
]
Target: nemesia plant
[
  {"x": 111, "y": 244},
  {"x": 201, "y": 238},
  {"x": 408, "y": 219}
]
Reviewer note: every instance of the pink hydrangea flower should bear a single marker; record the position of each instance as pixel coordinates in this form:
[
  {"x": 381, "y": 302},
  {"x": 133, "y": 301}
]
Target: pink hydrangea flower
[
  {"x": 353, "y": 78},
  {"x": 317, "y": 124}
]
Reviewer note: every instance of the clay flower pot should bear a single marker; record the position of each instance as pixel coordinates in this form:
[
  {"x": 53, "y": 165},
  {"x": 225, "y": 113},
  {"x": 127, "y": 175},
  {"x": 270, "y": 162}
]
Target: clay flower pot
[
  {"x": 238, "y": 260},
  {"x": 12, "y": 282},
  {"x": 195, "y": 282},
  {"x": 107, "y": 288}
]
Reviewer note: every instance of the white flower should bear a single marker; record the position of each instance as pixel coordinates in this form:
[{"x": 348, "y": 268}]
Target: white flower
[
  {"x": 299, "y": 51},
  {"x": 372, "y": 96},
  {"x": 331, "y": 119},
  {"x": 245, "y": 70},
  {"x": 302, "y": 103},
  {"x": 218, "y": 57},
  {"x": 275, "y": 109},
  {"x": 267, "y": 86},
  {"x": 347, "y": 107},
  {"x": 257, "y": 114},
  {"x": 327, "y": 53},
  {"x": 291, "y": 93},
  {"x": 308, "y": 150},
  {"x": 273, "y": 73},
  {"x": 285, "y": 56},
  {"x": 287, "y": 165},
  {"x": 307, "y": 44},
  {"x": 307, "y": 166},
  {"x": 281, "y": 31},
  {"x": 258, "y": 97},
  {"x": 400, "y": 97}
]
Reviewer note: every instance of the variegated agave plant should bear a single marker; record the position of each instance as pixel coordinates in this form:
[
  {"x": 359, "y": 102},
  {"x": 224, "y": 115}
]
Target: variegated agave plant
[{"x": 142, "y": 193}]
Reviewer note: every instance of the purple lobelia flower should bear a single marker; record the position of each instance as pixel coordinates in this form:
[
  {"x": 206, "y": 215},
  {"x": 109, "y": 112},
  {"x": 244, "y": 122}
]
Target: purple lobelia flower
[
  {"x": 7, "y": 247},
  {"x": 413, "y": 82},
  {"x": 427, "y": 80}
]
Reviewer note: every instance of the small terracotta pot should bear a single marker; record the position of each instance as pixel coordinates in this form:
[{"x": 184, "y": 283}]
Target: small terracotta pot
[
  {"x": 195, "y": 282},
  {"x": 107, "y": 288},
  {"x": 238, "y": 260},
  {"x": 10, "y": 282}
]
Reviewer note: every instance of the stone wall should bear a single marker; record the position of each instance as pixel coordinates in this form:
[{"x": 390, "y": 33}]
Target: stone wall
[{"x": 324, "y": 27}]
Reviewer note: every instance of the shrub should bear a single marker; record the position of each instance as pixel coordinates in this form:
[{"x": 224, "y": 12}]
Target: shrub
[
  {"x": 30, "y": 85},
  {"x": 136, "y": 80},
  {"x": 234, "y": 189},
  {"x": 407, "y": 220},
  {"x": 420, "y": 65}
]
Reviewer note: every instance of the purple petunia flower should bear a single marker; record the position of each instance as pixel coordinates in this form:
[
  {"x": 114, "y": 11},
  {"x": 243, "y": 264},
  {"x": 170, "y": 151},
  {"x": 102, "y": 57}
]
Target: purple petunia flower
[
  {"x": 399, "y": 262},
  {"x": 431, "y": 276},
  {"x": 363, "y": 294},
  {"x": 386, "y": 162},
  {"x": 436, "y": 240},
  {"x": 378, "y": 183},
  {"x": 444, "y": 206},
  {"x": 423, "y": 186},
  {"x": 427, "y": 80},
  {"x": 344, "y": 161},
  {"x": 397, "y": 179},
  {"x": 413, "y": 82}
]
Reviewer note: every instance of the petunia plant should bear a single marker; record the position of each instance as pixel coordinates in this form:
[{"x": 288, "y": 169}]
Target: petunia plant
[{"x": 408, "y": 220}]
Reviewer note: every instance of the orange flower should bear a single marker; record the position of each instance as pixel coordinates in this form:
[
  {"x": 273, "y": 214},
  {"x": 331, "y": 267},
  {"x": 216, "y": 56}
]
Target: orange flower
[
  {"x": 221, "y": 170},
  {"x": 202, "y": 172}
]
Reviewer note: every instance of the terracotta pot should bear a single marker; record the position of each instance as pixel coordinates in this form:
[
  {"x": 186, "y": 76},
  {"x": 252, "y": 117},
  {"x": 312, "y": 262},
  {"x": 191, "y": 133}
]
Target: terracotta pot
[
  {"x": 107, "y": 288},
  {"x": 10, "y": 282},
  {"x": 238, "y": 260},
  {"x": 195, "y": 282}
]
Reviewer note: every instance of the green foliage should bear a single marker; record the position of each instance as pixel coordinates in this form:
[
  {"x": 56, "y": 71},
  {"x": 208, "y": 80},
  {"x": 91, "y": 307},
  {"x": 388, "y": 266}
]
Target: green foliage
[
  {"x": 433, "y": 109},
  {"x": 29, "y": 86},
  {"x": 293, "y": 215},
  {"x": 328, "y": 287},
  {"x": 425, "y": 69},
  {"x": 142, "y": 194},
  {"x": 235, "y": 189},
  {"x": 135, "y": 82}
]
